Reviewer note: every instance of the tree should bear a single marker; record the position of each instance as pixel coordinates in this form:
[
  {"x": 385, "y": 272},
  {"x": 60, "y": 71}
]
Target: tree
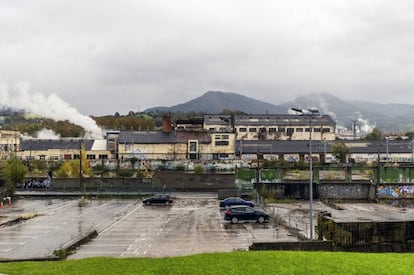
[
  {"x": 100, "y": 170},
  {"x": 69, "y": 169},
  {"x": 133, "y": 160},
  {"x": 340, "y": 151},
  {"x": 376, "y": 134},
  {"x": 13, "y": 171}
]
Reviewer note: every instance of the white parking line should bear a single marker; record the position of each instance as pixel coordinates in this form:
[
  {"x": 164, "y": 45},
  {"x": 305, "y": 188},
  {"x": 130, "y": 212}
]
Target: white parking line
[
  {"x": 23, "y": 237},
  {"x": 8, "y": 243},
  {"x": 104, "y": 245},
  {"x": 123, "y": 218}
]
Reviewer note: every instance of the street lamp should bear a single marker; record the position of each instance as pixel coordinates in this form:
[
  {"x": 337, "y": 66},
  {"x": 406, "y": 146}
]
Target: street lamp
[{"x": 310, "y": 113}]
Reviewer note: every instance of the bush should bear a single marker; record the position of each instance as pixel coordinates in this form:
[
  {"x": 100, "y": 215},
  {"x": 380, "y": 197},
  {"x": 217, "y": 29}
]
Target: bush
[
  {"x": 141, "y": 174},
  {"x": 125, "y": 173},
  {"x": 199, "y": 169}
]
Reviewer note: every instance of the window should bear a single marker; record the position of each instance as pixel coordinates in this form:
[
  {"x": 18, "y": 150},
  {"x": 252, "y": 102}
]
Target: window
[
  {"x": 212, "y": 129},
  {"x": 272, "y": 130},
  {"x": 281, "y": 130},
  {"x": 242, "y": 130},
  {"x": 193, "y": 146},
  {"x": 76, "y": 156},
  {"x": 103, "y": 156},
  {"x": 221, "y": 143},
  {"x": 317, "y": 130},
  {"x": 252, "y": 130},
  {"x": 224, "y": 136},
  {"x": 223, "y": 155},
  {"x": 307, "y": 130},
  {"x": 90, "y": 156},
  {"x": 299, "y": 130},
  {"x": 326, "y": 130}
]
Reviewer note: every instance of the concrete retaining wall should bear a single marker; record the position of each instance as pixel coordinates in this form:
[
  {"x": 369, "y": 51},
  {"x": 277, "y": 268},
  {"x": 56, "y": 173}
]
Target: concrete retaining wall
[
  {"x": 182, "y": 181},
  {"x": 189, "y": 182},
  {"x": 345, "y": 191},
  {"x": 161, "y": 181}
]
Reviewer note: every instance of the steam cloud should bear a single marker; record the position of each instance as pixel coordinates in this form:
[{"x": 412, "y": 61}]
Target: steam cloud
[{"x": 51, "y": 106}]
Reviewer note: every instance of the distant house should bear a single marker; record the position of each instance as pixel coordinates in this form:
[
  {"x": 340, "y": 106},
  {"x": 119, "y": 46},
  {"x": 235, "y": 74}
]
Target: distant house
[{"x": 9, "y": 142}]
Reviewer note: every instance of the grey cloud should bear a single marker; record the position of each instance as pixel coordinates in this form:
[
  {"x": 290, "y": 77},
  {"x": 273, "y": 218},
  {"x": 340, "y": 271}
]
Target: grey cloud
[{"x": 148, "y": 53}]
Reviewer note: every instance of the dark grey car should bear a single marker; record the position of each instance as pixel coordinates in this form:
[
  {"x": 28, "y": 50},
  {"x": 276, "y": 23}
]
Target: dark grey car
[
  {"x": 235, "y": 214},
  {"x": 158, "y": 199}
]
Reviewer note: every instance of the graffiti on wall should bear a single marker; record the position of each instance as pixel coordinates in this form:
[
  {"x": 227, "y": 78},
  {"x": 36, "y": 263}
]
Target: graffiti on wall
[{"x": 395, "y": 191}]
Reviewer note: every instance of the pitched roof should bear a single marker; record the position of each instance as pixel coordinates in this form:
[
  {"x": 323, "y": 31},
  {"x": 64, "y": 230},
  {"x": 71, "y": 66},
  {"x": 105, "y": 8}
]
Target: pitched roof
[
  {"x": 302, "y": 146},
  {"x": 148, "y": 137},
  {"x": 46, "y": 144},
  {"x": 159, "y": 137}
]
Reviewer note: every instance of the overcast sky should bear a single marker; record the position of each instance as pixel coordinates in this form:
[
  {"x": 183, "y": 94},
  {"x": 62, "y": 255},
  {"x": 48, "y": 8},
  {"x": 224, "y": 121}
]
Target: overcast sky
[{"x": 106, "y": 56}]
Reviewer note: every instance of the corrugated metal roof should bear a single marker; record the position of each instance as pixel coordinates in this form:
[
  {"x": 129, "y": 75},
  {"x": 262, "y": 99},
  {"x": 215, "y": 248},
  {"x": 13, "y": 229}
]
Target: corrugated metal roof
[
  {"x": 302, "y": 146},
  {"x": 45, "y": 144},
  {"x": 202, "y": 137},
  {"x": 158, "y": 137},
  {"x": 149, "y": 137}
]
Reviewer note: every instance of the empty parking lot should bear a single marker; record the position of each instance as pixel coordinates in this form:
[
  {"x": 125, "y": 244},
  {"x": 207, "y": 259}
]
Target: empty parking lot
[{"x": 126, "y": 228}]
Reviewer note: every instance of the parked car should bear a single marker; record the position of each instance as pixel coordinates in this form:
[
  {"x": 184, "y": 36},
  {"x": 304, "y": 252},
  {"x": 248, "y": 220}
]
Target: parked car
[
  {"x": 231, "y": 201},
  {"x": 235, "y": 214},
  {"x": 158, "y": 199}
]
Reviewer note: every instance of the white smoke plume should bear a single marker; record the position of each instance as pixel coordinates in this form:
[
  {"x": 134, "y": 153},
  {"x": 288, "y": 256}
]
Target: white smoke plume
[
  {"x": 325, "y": 108},
  {"x": 47, "y": 134},
  {"x": 51, "y": 106},
  {"x": 364, "y": 125}
]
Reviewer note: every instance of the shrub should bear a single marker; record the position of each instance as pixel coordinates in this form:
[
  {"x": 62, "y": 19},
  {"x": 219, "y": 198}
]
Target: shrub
[
  {"x": 199, "y": 169},
  {"x": 125, "y": 173},
  {"x": 141, "y": 174}
]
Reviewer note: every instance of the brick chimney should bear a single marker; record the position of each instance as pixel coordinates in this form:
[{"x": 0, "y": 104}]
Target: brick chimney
[{"x": 166, "y": 124}]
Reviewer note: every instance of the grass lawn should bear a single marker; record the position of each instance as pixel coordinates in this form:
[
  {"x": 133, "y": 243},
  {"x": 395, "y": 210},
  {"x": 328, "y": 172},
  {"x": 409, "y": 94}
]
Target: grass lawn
[{"x": 243, "y": 262}]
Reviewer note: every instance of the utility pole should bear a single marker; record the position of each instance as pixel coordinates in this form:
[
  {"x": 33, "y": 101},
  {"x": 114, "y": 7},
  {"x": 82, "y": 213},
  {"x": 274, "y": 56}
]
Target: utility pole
[
  {"x": 378, "y": 165},
  {"x": 80, "y": 166},
  {"x": 311, "y": 113}
]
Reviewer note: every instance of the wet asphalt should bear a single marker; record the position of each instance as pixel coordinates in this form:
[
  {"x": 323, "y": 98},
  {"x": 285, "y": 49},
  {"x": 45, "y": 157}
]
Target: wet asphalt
[{"x": 126, "y": 228}]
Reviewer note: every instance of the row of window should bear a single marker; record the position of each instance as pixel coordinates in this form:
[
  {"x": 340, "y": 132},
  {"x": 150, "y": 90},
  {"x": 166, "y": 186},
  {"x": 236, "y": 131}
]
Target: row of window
[
  {"x": 283, "y": 130},
  {"x": 221, "y": 140},
  {"x": 67, "y": 157}
]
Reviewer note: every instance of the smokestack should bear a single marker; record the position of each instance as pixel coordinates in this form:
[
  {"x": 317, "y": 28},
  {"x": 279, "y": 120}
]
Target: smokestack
[{"x": 166, "y": 124}]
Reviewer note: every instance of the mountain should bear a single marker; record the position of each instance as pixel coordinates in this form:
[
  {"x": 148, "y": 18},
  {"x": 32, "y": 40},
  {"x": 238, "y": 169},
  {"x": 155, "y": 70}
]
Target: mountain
[
  {"x": 215, "y": 101},
  {"x": 388, "y": 117}
]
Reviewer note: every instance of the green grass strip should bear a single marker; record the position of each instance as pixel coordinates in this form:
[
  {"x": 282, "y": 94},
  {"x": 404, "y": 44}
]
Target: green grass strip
[{"x": 248, "y": 262}]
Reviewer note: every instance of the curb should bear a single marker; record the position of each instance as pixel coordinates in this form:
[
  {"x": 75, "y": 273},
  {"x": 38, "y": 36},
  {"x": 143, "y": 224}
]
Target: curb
[
  {"x": 67, "y": 249},
  {"x": 58, "y": 254}
]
